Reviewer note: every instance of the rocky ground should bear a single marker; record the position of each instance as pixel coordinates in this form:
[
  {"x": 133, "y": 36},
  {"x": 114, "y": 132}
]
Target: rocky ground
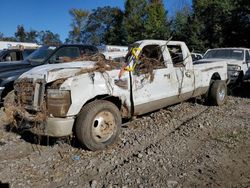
[{"x": 186, "y": 145}]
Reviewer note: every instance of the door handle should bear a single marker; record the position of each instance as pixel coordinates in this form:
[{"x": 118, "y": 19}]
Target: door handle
[
  {"x": 167, "y": 75},
  {"x": 188, "y": 74}
]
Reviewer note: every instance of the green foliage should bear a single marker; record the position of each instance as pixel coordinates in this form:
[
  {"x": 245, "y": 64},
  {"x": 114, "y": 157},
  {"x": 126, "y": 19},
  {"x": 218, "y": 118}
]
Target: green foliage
[
  {"x": 214, "y": 23},
  {"x": 115, "y": 33},
  {"x": 79, "y": 18},
  {"x": 3, "y": 38},
  {"x": 32, "y": 36},
  {"x": 49, "y": 38},
  {"x": 208, "y": 24},
  {"x": 180, "y": 23},
  {"x": 212, "y": 16},
  {"x": 156, "y": 25},
  {"x": 134, "y": 20},
  {"x": 237, "y": 28},
  {"x": 20, "y": 34},
  {"x": 104, "y": 26},
  {"x": 42, "y": 37},
  {"x": 145, "y": 19}
]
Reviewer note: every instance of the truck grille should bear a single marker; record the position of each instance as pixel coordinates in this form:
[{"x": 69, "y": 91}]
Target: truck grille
[{"x": 30, "y": 93}]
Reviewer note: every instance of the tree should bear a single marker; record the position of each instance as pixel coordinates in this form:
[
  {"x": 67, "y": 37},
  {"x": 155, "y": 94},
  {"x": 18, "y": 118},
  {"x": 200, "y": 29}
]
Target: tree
[
  {"x": 3, "y": 38},
  {"x": 49, "y": 38},
  {"x": 134, "y": 20},
  {"x": 104, "y": 26},
  {"x": 237, "y": 27},
  {"x": 32, "y": 36},
  {"x": 180, "y": 23},
  {"x": 156, "y": 24},
  {"x": 79, "y": 18},
  {"x": 20, "y": 34},
  {"x": 211, "y": 17}
]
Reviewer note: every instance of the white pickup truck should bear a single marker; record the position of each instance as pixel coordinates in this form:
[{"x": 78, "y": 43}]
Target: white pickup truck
[
  {"x": 237, "y": 59},
  {"x": 89, "y": 99}
]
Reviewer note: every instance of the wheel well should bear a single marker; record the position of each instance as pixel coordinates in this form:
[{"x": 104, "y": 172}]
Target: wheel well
[
  {"x": 216, "y": 76},
  {"x": 115, "y": 100}
]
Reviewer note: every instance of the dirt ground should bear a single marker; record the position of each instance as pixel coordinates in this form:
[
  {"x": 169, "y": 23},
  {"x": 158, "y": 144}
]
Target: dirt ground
[{"x": 186, "y": 145}]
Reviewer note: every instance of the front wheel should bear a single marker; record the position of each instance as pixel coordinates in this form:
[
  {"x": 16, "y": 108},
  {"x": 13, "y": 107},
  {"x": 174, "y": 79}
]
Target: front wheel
[
  {"x": 218, "y": 93},
  {"x": 98, "y": 125}
]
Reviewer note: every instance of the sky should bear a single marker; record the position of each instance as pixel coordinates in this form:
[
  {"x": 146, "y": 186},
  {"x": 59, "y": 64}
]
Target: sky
[{"x": 53, "y": 14}]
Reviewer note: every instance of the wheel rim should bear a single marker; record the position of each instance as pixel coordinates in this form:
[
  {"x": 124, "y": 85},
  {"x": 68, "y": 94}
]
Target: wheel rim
[
  {"x": 222, "y": 94},
  {"x": 103, "y": 126}
]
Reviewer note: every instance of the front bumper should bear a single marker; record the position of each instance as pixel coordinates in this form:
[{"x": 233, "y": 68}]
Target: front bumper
[
  {"x": 41, "y": 125},
  {"x": 54, "y": 127}
]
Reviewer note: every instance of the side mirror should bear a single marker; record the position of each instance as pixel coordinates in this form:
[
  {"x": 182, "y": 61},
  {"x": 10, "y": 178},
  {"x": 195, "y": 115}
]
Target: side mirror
[
  {"x": 8, "y": 58},
  {"x": 54, "y": 60}
]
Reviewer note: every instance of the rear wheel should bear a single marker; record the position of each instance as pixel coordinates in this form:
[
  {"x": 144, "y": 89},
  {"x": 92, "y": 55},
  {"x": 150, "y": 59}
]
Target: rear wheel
[
  {"x": 218, "y": 93},
  {"x": 98, "y": 125}
]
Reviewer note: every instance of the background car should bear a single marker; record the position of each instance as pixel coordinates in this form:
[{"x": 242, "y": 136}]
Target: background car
[{"x": 15, "y": 54}]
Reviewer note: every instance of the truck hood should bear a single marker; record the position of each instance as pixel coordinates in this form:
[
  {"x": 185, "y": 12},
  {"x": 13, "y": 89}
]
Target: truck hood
[
  {"x": 52, "y": 72},
  {"x": 9, "y": 69},
  {"x": 213, "y": 60},
  {"x": 211, "y": 65},
  {"x": 8, "y": 66}
]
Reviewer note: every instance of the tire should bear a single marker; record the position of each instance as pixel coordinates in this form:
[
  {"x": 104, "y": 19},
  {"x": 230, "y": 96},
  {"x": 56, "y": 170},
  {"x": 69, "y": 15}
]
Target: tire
[
  {"x": 218, "y": 93},
  {"x": 91, "y": 122}
]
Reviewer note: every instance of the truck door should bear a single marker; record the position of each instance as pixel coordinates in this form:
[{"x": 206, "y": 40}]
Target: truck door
[
  {"x": 183, "y": 68},
  {"x": 154, "y": 84}
]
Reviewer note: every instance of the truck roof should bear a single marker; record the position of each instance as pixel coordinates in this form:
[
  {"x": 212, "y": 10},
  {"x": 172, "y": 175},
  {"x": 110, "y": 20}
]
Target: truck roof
[{"x": 161, "y": 42}]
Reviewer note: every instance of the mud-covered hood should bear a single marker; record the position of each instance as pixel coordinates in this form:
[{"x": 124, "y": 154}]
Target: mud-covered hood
[{"x": 52, "y": 72}]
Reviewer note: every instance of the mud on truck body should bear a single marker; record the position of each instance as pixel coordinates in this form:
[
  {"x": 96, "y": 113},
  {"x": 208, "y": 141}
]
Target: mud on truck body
[{"x": 90, "y": 98}]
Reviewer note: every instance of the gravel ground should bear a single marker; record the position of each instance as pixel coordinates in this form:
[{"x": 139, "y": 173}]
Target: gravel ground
[{"x": 186, "y": 145}]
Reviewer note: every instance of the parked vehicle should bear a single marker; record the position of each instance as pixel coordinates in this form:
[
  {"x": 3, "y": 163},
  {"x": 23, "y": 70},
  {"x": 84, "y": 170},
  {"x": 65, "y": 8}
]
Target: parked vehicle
[
  {"x": 117, "y": 56},
  {"x": 113, "y": 48},
  {"x": 9, "y": 44},
  {"x": 237, "y": 59},
  {"x": 89, "y": 99},
  {"x": 15, "y": 54},
  {"x": 9, "y": 72}
]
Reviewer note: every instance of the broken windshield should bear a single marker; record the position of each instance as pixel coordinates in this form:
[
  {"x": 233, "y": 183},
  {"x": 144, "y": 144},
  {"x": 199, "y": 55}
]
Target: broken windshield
[
  {"x": 225, "y": 54},
  {"x": 40, "y": 54}
]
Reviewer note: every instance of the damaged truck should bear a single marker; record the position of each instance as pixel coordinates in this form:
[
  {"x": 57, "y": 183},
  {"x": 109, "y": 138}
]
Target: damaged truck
[{"x": 89, "y": 97}]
